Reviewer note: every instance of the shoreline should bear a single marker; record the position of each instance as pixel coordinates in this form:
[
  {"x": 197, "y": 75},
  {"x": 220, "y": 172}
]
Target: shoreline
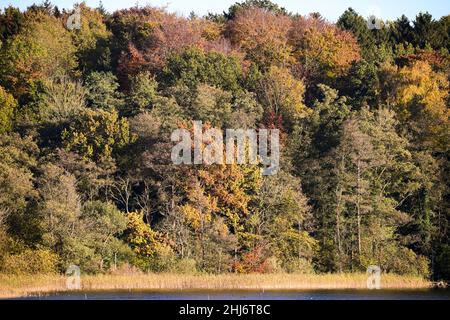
[{"x": 12, "y": 286}]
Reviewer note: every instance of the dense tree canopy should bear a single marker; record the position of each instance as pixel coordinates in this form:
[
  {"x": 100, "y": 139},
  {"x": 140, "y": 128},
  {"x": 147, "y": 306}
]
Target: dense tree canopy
[{"x": 86, "y": 118}]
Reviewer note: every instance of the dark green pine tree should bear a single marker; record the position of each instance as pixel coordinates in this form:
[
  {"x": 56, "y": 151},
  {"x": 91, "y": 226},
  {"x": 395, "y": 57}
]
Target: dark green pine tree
[{"x": 402, "y": 31}]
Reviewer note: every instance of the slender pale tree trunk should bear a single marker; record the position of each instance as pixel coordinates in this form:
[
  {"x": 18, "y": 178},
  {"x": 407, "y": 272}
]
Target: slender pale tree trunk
[
  {"x": 338, "y": 228},
  {"x": 358, "y": 207},
  {"x": 299, "y": 242},
  {"x": 339, "y": 192}
]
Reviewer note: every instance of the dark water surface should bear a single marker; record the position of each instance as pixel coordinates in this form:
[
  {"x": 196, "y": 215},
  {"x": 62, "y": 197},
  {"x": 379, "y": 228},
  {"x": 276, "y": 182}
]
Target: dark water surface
[{"x": 426, "y": 294}]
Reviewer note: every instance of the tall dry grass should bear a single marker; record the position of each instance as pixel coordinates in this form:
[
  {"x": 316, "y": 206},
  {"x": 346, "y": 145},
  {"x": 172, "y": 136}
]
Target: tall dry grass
[{"x": 20, "y": 286}]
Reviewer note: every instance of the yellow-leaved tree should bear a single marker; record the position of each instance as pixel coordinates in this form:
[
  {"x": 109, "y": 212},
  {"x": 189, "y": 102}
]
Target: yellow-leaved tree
[
  {"x": 7, "y": 106},
  {"x": 281, "y": 93},
  {"x": 421, "y": 101},
  {"x": 152, "y": 248}
]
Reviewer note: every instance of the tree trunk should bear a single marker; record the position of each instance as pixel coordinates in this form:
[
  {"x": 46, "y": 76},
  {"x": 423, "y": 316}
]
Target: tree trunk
[
  {"x": 358, "y": 208},
  {"x": 338, "y": 229}
]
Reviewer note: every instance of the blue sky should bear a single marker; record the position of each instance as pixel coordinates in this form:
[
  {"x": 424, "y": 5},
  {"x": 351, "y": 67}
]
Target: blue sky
[{"x": 330, "y": 9}]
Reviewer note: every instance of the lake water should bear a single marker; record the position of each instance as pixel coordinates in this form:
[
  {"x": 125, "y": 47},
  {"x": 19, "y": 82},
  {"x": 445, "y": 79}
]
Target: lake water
[{"x": 435, "y": 294}]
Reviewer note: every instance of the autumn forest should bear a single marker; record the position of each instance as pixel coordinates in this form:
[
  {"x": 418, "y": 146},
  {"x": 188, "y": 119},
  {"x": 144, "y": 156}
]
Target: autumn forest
[{"x": 86, "y": 116}]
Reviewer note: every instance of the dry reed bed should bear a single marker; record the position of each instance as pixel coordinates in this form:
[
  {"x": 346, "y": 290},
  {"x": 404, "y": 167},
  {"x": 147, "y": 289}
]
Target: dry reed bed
[{"x": 20, "y": 286}]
